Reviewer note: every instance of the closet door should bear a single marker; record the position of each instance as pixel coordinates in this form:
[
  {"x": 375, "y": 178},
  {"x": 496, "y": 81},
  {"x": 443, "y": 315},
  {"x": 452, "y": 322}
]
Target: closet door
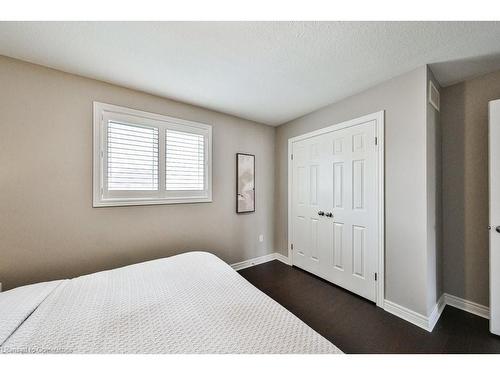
[
  {"x": 335, "y": 207},
  {"x": 309, "y": 193},
  {"x": 350, "y": 259}
]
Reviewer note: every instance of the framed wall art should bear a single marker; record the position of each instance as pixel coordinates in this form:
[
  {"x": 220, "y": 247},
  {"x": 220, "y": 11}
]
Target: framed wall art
[{"x": 245, "y": 183}]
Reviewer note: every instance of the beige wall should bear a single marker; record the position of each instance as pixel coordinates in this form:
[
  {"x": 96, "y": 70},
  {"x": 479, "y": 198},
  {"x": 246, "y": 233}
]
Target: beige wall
[
  {"x": 404, "y": 101},
  {"x": 464, "y": 120},
  {"x": 48, "y": 228}
]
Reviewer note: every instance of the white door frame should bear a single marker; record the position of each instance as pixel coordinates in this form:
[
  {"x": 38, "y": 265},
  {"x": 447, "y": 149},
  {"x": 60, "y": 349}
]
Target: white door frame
[{"x": 378, "y": 117}]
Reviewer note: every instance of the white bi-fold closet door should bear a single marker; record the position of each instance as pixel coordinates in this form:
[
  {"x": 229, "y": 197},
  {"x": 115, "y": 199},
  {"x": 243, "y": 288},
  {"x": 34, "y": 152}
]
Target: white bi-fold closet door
[{"x": 335, "y": 204}]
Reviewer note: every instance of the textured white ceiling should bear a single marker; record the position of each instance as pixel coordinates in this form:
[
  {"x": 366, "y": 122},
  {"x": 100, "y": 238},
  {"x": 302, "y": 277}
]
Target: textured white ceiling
[{"x": 270, "y": 72}]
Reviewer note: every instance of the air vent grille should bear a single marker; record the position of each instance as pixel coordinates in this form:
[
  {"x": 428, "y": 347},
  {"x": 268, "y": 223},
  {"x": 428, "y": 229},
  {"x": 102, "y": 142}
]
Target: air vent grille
[{"x": 434, "y": 98}]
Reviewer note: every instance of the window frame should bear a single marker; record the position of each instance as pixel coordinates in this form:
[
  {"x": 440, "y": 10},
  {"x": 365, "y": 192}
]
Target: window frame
[{"x": 103, "y": 113}]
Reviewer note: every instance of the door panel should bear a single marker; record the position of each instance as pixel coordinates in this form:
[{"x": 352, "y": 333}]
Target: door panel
[
  {"x": 358, "y": 142},
  {"x": 313, "y": 171},
  {"x": 338, "y": 185},
  {"x": 338, "y": 248},
  {"x": 494, "y": 172},
  {"x": 307, "y": 192},
  {"x": 342, "y": 180},
  {"x": 302, "y": 186},
  {"x": 314, "y": 239},
  {"x": 358, "y": 251},
  {"x": 358, "y": 188},
  {"x": 338, "y": 146}
]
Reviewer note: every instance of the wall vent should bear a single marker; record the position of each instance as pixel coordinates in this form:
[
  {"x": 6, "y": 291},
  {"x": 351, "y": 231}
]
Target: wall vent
[{"x": 434, "y": 96}]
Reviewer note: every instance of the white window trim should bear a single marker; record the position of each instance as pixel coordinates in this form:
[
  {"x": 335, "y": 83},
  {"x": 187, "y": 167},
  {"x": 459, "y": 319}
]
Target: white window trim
[{"x": 102, "y": 113}]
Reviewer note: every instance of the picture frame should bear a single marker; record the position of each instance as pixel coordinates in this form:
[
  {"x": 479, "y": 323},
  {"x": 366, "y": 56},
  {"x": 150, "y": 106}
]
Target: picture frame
[{"x": 245, "y": 183}]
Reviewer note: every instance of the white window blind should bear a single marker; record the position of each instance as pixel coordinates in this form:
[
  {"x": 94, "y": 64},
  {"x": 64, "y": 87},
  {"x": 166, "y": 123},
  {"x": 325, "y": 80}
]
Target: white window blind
[
  {"x": 146, "y": 158},
  {"x": 185, "y": 161},
  {"x": 132, "y": 157}
]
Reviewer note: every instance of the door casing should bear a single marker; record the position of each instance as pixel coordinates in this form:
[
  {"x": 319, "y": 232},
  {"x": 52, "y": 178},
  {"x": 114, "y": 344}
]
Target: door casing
[{"x": 378, "y": 117}]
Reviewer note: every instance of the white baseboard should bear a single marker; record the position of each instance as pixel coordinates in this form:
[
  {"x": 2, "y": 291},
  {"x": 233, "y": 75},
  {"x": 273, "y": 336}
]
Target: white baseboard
[
  {"x": 469, "y": 306},
  {"x": 407, "y": 314},
  {"x": 282, "y": 259},
  {"x": 429, "y": 322},
  {"x": 259, "y": 260},
  {"x": 253, "y": 262},
  {"x": 436, "y": 313}
]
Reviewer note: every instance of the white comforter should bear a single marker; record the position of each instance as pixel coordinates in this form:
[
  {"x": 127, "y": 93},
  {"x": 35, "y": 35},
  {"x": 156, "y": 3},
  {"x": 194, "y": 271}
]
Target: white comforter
[{"x": 190, "y": 303}]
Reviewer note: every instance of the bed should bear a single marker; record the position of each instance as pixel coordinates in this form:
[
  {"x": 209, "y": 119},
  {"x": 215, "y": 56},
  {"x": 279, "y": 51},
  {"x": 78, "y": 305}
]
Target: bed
[{"x": 189, "y": 303}]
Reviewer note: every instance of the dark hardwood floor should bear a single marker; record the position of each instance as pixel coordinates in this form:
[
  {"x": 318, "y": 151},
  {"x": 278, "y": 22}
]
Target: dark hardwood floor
[{"x": 356, "y": 325}]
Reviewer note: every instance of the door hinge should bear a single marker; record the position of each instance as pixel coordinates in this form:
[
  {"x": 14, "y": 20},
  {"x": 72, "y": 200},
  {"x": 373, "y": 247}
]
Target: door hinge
[
  {"x": 291, "y": 156},
  {"x": 376, "y": 141},
  {"x": 291, "y": 246},
  {"x": 375, "y": 276}
]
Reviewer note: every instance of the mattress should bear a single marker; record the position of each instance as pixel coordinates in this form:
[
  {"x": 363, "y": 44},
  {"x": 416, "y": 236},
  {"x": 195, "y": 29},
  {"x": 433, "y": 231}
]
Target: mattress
[{"x": 189, "y": 303}]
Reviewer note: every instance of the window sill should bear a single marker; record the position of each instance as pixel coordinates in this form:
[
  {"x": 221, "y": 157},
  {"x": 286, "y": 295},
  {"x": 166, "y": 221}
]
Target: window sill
[{"x": 147, "y": 202}]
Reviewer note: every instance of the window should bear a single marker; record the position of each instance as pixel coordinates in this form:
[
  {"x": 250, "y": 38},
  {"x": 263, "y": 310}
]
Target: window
[{"x": 146, "y": 158}]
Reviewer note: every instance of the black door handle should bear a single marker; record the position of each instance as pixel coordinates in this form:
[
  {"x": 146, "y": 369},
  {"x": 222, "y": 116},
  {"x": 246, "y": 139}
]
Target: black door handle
[
  {"x": 497, "y": 229},
  {"x": 321, "y": 213}
]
